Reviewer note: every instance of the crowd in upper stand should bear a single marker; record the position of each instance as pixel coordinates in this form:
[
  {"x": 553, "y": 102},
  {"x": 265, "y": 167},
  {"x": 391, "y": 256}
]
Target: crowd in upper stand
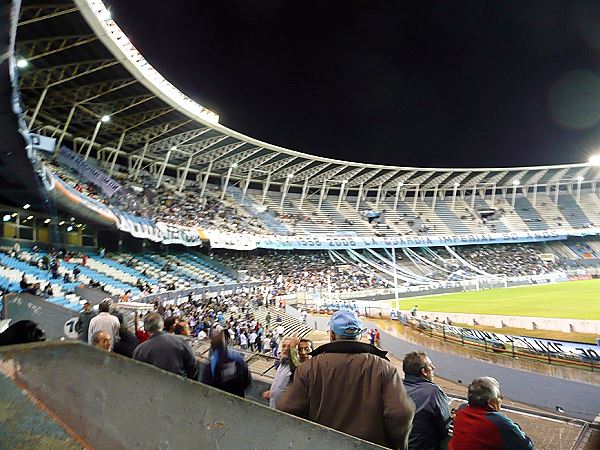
[
  {"x": 290, "y": 272},
  {"x": 509, "y": 260}
]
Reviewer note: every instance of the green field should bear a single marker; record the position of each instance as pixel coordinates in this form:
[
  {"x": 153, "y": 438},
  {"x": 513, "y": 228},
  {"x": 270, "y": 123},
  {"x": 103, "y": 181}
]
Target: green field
[{"x": 568, "y": 300}]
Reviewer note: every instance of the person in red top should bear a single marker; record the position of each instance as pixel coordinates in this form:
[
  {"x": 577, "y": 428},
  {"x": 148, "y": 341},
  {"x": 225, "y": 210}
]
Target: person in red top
[{"x": 481, "y": 426}]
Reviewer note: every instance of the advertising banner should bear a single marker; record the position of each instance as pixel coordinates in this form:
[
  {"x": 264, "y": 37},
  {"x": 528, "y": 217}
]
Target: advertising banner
[{"x": 88, "y": 171}]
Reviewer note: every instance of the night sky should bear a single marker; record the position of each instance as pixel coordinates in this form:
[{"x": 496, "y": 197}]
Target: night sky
[{"x": 430, "y": 83}]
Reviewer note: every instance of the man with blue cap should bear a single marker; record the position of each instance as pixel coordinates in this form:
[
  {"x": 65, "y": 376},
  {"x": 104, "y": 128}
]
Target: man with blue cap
[{"x": 351, "y": 386}]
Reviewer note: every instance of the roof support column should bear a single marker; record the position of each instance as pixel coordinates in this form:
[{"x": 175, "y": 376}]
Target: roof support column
[
  {"x": 63, "y": 132},
  {"x": 378, "y": 199},
  {"x": 414, "y": 207},
  {"x": 246, "y": 185},
  {"x": 304, "y": 192},
  {"x": 454, "y": 189},
  {"x": 493, "y": 193},
  {"x": 38, "y": 106},
  {"x": 286, "y": 187},
  {"x": 185, "y": 172},
  {"x": 397, "y": 196},
  {"x": 163, "y": 168},
  {"x": 578, "y": 197},
  {"x": 556, "y": 190},
  {"x": 140, "y": 161},
  {"x": 322, "y": 195},
  {"x": 87, "y": 153},
  {"x": 226, "y": 182},
  {"x": 358, "y": 197},
  {"x": 433, "y": 202},
  {"x": 341, "y": 196},
  {"x": 514, "y": 195},
  {"x": 119, "y": 145},
  {"x": 473, "y": 194},
  {"x": 206, "y": 176},
  {"x": 534, "y": 197},
  {"x": 266, "y": 185}
]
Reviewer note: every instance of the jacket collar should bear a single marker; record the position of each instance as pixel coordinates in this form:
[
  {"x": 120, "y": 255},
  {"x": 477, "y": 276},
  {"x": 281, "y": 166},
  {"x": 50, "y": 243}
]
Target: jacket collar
[
  {"x": 352, "y": 347},
  {"x": 414, "y": 380}
]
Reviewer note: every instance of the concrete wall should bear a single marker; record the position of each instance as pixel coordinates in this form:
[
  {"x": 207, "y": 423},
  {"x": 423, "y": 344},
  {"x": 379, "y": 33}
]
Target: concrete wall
[{"x": 111, "y": 402}]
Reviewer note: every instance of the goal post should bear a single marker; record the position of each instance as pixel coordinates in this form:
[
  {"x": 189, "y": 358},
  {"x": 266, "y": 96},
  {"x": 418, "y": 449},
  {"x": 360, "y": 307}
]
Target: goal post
[{"x": 490, "y": 282}]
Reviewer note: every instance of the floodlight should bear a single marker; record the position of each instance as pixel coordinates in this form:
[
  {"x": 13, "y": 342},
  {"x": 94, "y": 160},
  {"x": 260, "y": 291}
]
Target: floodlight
[
  {"x": 26, "y": 206},
  {"x": 234, "y": 165},
  {"x": 62, "y": 222},
  {"x": 456, "y": 185},
  {"x": 174, "y": 148},
  {"x": 579, "y": 178},
  {"x": 69, "y": 228},
  {"x": 291, "y": 175},
  {"x": 6, "y": 218},
  {"x": 29, "y": 217},
  {"x": 105, "y": 118},
  {"x": 516, "y": 182},
  {"x": 105, "y": 15},
  {"x": 22, "y": 63},
  {"x": 14, "y": 214},
  {"x": 47, "y": 221},
  {"x": 594, "y": 160}
]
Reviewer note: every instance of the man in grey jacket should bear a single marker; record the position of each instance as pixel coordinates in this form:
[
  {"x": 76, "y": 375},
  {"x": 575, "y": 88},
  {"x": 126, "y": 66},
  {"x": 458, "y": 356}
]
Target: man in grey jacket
[{"x": 432, "y": 416}]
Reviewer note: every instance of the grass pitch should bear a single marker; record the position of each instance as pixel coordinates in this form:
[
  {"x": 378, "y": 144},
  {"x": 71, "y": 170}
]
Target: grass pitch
[{"x": 568, "y": 300}]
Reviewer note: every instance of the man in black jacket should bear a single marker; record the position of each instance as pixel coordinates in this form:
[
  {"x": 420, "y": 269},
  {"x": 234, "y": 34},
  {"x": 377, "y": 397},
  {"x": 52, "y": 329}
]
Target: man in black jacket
[
  {"x": 432, "y": 417},
  {"x": 166, "y": 351}
]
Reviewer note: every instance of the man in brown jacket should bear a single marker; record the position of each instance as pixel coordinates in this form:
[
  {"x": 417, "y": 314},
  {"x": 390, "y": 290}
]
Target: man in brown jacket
[{"x": 351, "y": 386}]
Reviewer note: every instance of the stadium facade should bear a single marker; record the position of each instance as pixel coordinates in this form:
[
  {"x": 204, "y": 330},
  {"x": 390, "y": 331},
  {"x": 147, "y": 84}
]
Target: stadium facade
[{"x": 86, "y": 94}]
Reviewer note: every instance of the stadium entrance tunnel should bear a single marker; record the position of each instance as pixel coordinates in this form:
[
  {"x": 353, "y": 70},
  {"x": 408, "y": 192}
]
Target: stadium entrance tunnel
[{"x": 83, "y": 397}]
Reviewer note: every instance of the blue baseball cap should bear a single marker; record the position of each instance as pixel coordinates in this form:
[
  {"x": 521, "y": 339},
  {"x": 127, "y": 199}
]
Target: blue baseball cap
[{"x": 346, "y": 323}]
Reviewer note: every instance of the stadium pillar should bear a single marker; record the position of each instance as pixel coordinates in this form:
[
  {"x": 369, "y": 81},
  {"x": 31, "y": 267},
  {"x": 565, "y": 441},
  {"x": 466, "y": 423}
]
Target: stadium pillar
[
  {"x": 87, "y": 153},
  {"x": 185, "y": 172},
  {"x": 64, "y": 131},
  {"x": 454, "y": 195},
  {"x": 556, "y": 191},
  {"x": 119, "y": 145},
  {"x": 514, "y": 195},
  {"x": 378, "y": 199},
  {"x": 534, "y": 198},
  {"x": 341, "y": 196},
  {"x": 398, "y": 187},
  {"x": 162, "y": 169},
  {"x": 246, "y": 184},
  {"x": 304, "y": 192},
  {"x": 322, "y": 195},
  {"x": 265, "y": 188},
  {"x": 395, "y": 276},
  {"x": 226, "y": 182},
  {"x": 473, "y": 194},
  {"x": 360, "y": 192},
  {"x": 140, "y": 161},
  {"x": 205, "y": 180},
  {"x": 38, "y": 106},
  {"x": 578, "y": 197},
  {"x": 286, "y": 187},
  {"x": 416, "y": 197},
  {"x": 434, "y": 200},
  {"x": 493, "y": 193}
]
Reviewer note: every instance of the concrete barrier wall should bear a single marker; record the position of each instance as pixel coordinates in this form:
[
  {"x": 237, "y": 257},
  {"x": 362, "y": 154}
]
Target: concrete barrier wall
[{"x": 111, "y": 402}]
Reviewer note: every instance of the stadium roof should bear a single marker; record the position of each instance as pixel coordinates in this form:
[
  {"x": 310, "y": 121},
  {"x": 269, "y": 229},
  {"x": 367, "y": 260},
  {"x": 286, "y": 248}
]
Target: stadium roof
[{"x": 81, "y": 67}]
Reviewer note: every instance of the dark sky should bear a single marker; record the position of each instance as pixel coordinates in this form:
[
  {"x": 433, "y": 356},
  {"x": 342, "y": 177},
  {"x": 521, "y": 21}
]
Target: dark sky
[{"x": 441, "y": 83}]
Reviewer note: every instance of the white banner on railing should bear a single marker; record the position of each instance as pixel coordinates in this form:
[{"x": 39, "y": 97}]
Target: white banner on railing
[
  {"x": 88, "y": 171},
  {"x": 554, "y": 348},
  {"x": 43, "y": 143},
  {"x": 231, "y": 241},
  {"x": 337, "y": 242}
]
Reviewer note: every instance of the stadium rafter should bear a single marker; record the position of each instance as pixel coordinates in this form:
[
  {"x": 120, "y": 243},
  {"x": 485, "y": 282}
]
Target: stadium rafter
[{"x": 80, "y": 67}]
